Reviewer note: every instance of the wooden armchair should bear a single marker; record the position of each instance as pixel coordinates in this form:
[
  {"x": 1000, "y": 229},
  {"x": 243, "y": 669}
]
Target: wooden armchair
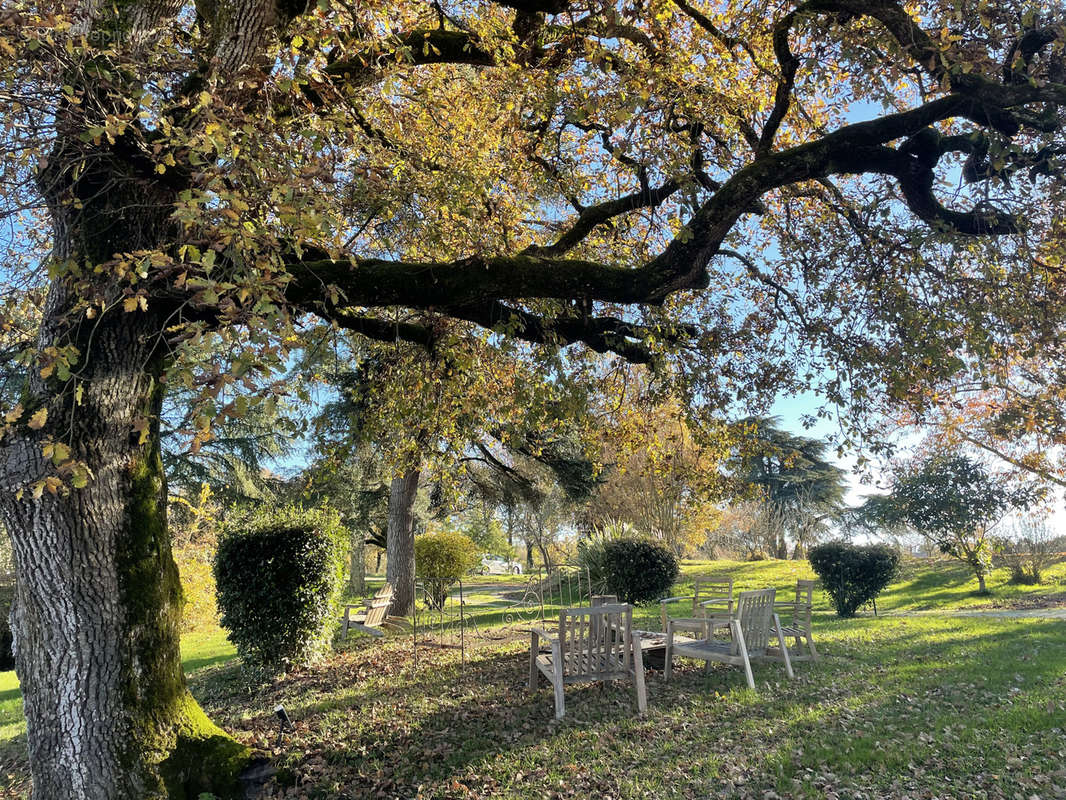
[
  {"x": 373, "y": 616},
  {"x": 750, "y": 631},
  {"x": 593, "y": 644},
  {"x": 797, "y": 614},
  {"x": 712, "y": 595}
]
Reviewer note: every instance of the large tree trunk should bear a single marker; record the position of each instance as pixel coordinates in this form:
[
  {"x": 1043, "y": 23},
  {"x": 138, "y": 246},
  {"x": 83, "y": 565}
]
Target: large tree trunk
[
  {"x": 357, "y": 573},
  {"x": 400, "y": 569},
  {"x": 98, "y": 604},
  {"x": 98, "y": 601}
]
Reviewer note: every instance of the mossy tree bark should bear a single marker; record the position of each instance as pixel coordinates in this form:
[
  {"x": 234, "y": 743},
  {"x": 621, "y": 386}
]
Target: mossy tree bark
[
  {"x": 98, "y": 603},
  {"x": 97, "y": 610}
]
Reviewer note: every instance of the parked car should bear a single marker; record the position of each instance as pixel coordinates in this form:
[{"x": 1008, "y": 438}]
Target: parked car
[{"x": 498, "y": 565}]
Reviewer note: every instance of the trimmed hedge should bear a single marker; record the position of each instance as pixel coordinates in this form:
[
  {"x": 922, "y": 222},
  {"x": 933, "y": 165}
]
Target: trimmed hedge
[
  {"x": 441, "y": 560},
  {"x": 278, "y": 575},
  {"x": 638, "y": 570},
  {"x": 853, "y": 575}
]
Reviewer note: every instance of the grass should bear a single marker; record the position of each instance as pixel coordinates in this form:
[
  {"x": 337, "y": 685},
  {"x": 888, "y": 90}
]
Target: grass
[
  {"x": 925, "y": 585},
  {"x": 926, "y": 705}
]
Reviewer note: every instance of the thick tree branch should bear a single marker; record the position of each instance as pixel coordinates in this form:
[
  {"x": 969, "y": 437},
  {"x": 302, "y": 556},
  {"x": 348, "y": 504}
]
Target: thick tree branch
[
  {"x": 854, "y": 149},
  {"x": 383, "y": 330},
  {"x": 591, "y": 216},
  {"x": 783, "y": 93},
  {"x": 378, "y": 282},
  {"x": 602, "y": 334},
  {"x": 536, "y": 6}
]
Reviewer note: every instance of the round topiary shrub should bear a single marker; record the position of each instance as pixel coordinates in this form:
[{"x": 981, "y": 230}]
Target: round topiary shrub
[
  {"x": 278, "y": 574},
  {"x": 639, "y": 571},
  {"x": 853, "y": 575},
  {"x": 441, "y": 560}
]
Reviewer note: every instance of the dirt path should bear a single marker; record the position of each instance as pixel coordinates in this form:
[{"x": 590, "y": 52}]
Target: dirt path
[{"x": 1058, "y": 612}]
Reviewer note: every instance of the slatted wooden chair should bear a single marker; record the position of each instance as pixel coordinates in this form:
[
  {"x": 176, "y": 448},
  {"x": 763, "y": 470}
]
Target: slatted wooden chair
[
  {"x": 373, "y": 616},
  {"x": 712, "y": 595},
  {"x": 750, "y": 631},
  {"x": 593, "y": 644},
  {"x": 797, "y": 614}
]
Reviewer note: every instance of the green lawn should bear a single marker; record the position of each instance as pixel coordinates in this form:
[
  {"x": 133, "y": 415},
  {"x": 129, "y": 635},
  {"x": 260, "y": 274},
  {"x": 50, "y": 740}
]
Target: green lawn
[
  {"x": 942, "y": 584},
  {"x": 911, "y": 706}
]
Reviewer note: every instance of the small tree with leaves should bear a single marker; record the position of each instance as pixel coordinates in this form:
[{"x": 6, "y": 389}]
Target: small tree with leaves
[{"x": 953, "y": 501}]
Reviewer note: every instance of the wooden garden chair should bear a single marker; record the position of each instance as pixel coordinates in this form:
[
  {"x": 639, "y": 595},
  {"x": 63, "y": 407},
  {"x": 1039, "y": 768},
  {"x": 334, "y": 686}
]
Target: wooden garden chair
[
  {"x": 797, "y": 625},
  {"x": 592, "y": 644},
  {"x": 373, "y": 616},
  {"x": 712, "y": 595},
  {"x": 750, "y": 631}
]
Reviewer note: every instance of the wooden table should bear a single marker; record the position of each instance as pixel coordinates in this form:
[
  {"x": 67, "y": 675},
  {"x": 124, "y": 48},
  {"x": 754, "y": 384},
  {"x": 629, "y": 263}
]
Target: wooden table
[{"x": 652, "y": 648}]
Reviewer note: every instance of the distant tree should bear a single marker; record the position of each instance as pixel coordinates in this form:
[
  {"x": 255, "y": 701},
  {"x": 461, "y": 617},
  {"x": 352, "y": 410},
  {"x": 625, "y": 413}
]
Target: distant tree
[
  {"x": 486, "y": 531},
  {"x": 953, "y": 501},
  {"x": 662, "y": 469},
  {"x": 541, "y": 524},
  {"x": 799, "y": 485},
  {"x": 350, "y": 481},
  {"x": 747, "y": 528},
  {"x": 1027, "y": 549}
]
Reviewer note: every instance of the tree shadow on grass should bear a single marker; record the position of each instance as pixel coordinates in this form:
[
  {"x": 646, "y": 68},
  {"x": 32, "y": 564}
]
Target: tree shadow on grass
[
  {"x": 439, "y": 727},
  {"x": 194, "y": 664}
]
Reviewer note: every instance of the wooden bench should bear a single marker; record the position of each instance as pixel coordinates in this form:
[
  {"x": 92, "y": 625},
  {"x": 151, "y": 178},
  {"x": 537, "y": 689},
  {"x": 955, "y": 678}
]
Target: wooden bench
[
  {"x": 798, "y": 625},
  {"x": 750, "y": 631},
  {"x": 712, "y": 595},
  {"x": 373, "y": 616},
  {"x": 593, "y": 644}
]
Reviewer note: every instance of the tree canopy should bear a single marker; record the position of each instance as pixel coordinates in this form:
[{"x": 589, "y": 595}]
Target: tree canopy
[{"x": 952, "y": 500}]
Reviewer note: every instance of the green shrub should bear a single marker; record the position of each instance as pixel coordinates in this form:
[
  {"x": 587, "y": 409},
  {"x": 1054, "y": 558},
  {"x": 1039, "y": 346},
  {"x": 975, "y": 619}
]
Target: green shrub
[
  {"x": 278, "y": 575},
  {"x": 853, "y": 575},
  {"x": 638, "y": 570},
  {"x": 441, "y": 560}
]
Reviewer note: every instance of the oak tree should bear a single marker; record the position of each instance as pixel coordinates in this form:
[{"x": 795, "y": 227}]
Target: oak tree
[{"x": 747, "y": 193}]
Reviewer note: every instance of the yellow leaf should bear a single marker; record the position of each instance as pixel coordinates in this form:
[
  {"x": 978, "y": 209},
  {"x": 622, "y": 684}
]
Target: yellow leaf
[
  {"x": 129, "y": 304},
  {"x": 38, "y": 419},
  {"x": 80, "y": 477}
]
